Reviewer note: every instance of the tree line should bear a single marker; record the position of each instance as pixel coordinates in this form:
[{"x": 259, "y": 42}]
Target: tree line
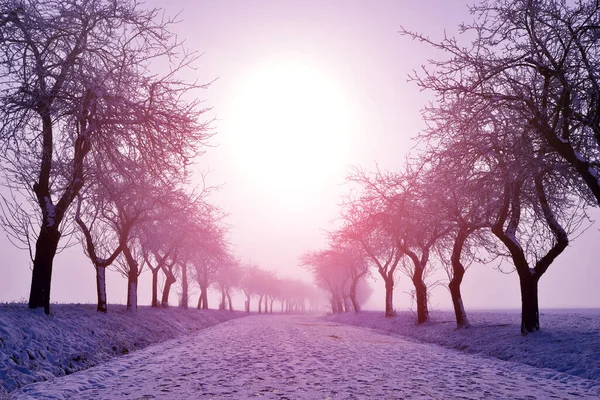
[
  {"x": 100, "y": 133},
  {"x": 505, "y": 169}
]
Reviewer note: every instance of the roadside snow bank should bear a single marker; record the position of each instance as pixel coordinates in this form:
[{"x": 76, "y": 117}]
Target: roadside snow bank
[
  {"x": 36, "y": 347},
  {"x": 569, "y": 340}
]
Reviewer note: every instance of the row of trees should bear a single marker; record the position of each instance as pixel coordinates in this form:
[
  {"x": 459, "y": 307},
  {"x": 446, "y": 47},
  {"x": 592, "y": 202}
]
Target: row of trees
[
  {"x": 340, "y": 271},
  {"x": 509, "y": 159},
  {"x": 99, "y": 132},
  {"x": 90, "y": 131}
]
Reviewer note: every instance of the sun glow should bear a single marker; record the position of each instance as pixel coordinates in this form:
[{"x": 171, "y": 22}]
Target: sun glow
[{"x": 290, "y": 130}]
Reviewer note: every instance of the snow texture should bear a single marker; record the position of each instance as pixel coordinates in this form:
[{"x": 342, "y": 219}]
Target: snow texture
[
  {"x": 568, "y": 341},
  {"x": 35, "y": 347},
  {"x": 307, "y": 357}
]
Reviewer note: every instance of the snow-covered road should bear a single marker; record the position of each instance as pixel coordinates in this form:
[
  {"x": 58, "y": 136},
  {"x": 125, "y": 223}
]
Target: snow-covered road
[{"x": 303, "y": 357}]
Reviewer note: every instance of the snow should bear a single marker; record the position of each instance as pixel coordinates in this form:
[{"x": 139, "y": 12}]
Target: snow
[
  {"x": 36, "y": 347},
  {"x": 568, "y": 340},
  {"x": 298, "y": 356}
]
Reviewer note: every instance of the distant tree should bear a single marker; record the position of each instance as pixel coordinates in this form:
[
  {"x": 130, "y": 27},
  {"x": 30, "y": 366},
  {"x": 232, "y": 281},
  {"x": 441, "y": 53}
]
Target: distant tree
[
  {"x": 366, "y": 221},
  {"x": 329, "y": 273},
  {"x": 76, "y": 84},
  {"x": 410, "y": 219},
  {"x": 296, "y": 295},
  {"x": 227, "y": 278},
  {"x": 338, "y": 270},
  {"x": 249, "y": 282},
  {"x": 136, "y": 208},
  {"x": 207, "y": 249}
]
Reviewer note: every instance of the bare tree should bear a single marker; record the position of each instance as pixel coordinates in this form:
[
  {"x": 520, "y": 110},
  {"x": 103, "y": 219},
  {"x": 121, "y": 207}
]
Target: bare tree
[
  {"x": 248, "y": 282},
  {"x": 539, "y": 59},
  {"x": 99, "y": 237},
  {"x": 459, "y": 186},
  {"x": 227, "y": 278},
  {"x": 77, "y": 85},
  {"x": 523, "y": 95},
  {"x": 330, "y": 274},
  {"x": 366, "y": 222},
  {"x": 164, "y": 234},
  {"x": 338, "y": 270}
]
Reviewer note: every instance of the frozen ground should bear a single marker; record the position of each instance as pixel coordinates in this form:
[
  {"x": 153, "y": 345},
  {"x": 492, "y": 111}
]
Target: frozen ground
[
  {"x": 307, "y": 357},
  {"x": 569, "y": 340},
  {"x": 35, "y": 347}
]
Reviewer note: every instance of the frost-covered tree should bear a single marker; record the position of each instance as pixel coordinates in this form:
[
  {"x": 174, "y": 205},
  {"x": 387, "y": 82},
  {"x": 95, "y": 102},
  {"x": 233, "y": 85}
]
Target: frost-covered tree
[
  {"x": 206, "y": 248},
  {"x": 411, "y": 219},
  {"x": 329, "y": 273},
  {"x": 540, "y": 60},
  {"x": 164, "y": 234},
  {"x": 459, "y": 188},
  {"x": 100, "y": 236},
  {"x": 227, "y": 279},
  {"x": 365, "y": 221},
  {"x": 522, "y": 92},
  {"x": 77, "y": 84},
  {"x": 339, "y": 271},
  {"x": 141, "y": 204},
  {"x": 523, "y": 185},
  {"x": 295, "y": 295},
  {"x": 249, "y": 282}
]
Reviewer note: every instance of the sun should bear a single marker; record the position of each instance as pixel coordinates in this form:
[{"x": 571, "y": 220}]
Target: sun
[{"x": 289, "y": 130}]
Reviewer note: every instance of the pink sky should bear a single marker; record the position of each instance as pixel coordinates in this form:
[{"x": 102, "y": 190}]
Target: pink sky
[{"x": 353, "y": 45}]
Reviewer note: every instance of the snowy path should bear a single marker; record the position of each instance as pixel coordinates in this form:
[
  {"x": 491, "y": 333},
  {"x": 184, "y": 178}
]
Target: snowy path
[{"x": 302, "y": 357}]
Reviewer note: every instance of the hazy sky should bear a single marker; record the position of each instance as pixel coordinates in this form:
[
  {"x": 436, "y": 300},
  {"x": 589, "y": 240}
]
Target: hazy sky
[{"x": 304, "y": 89}]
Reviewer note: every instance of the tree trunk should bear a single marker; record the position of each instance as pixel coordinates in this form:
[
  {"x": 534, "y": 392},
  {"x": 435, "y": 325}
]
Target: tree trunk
[
  {"x": 389, "y": 296},
  {"x": 222, "y": 305},
  {"x": 167, "y": 289},
  {"x": 203, "y": 299},
  {"x": 271, "y": 306},
  {"x": 530, "y": 316},
  {"x": 346, "y": 303},
  {"x": 352, "y": 295},
  {"x": 45, "y": 250},
  {"x": 184, "y": 287},
  {"x": 154, "y": 287},
  {"x": 132, "y": 281},
  {"x": 339, "y": 304},
  {"x": 458, "y": 272},
  {"x": 101, "y": 288},
  {"x": 229, "y": 301},
  {"x": 459, "y": 309},
  {"x": 260, "y": 303},
  {"x": 421, "y": 293},
  {"x": 52, "y": 215}
]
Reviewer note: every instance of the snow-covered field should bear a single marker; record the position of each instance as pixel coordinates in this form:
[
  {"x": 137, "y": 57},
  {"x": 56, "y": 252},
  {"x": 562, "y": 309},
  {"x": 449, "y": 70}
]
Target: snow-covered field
[
  {"x": 568, "y": 340},
  {"x": 35, "y": 347},
  {"x": 294, "y": 356}
]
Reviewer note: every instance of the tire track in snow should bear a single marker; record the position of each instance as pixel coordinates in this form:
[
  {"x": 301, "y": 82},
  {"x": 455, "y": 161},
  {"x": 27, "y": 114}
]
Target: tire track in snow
[{"x": 303, "y": 357}]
